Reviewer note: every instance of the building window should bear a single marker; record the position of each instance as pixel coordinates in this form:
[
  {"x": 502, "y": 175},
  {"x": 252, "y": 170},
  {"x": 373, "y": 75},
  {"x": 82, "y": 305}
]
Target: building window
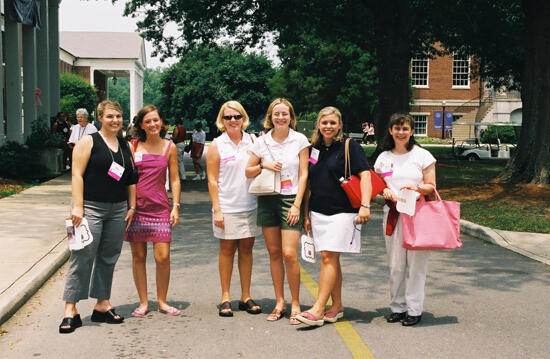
[
  {"x": 456, "y": 117},
  {"x": 419, "y": 72},
  {"x": 461, "y": 71},
  {"x": 420, "y": 125}
]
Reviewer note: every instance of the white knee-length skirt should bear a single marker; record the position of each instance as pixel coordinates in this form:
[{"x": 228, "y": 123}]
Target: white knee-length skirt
[
  {"x": 336, "y": 233},
  {"x": 237, "y": 225}
]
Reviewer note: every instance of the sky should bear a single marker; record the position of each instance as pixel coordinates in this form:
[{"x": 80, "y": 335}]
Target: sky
[{"x": 101, "y": 15}]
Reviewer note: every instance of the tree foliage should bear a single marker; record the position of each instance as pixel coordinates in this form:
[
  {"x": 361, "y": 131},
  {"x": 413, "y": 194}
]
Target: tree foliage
[
  {"x": 75, "y": 93},
  {"x": 121, "y": 93},
  {"x": 207, "y": 76}
]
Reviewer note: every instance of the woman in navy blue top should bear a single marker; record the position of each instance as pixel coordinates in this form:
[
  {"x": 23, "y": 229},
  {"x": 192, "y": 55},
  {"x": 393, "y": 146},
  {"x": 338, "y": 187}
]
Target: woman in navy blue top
[{"x": 329, "y": 216}]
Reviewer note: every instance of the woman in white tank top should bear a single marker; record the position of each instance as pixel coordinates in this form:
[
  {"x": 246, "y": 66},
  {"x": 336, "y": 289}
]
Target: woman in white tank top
[{"x": 233, "y": 208}]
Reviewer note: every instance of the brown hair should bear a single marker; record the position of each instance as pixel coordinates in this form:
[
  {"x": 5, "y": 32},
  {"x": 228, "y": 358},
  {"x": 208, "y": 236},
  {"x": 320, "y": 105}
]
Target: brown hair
[
  {"x": 105, "y": 104},
  {"x": 399, "y": 119},
  {"x": 268, "y": 123},
  {"x": 139, "y": 133}
]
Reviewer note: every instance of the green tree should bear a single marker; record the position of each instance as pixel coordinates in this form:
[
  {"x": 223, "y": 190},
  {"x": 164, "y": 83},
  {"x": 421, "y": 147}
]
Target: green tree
[
  {"x": 75, "y": 93},
  {"x": 207, "y": 76},
  {"x": 151, "y": 86},
  {"x": 121, "y": 93}
]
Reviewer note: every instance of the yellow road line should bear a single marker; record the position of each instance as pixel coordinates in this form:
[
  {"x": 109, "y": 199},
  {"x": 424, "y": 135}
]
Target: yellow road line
[{"x": 353, "y": 341}]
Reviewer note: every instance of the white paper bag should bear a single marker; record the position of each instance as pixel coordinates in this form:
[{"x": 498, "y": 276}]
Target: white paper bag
[
  {"x": 406, "y": 201},
  {"x": 308, "y": 248},
  {"x": 79, "y": 237}
]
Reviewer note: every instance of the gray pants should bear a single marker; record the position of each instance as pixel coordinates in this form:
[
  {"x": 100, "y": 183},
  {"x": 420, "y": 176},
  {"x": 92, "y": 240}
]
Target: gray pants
[{"x": 106, "y": 221}]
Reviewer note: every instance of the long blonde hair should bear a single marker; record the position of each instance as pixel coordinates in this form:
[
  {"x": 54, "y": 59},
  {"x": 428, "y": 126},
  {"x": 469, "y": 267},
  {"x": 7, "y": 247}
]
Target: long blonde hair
[{"x": 317, "y": 138}]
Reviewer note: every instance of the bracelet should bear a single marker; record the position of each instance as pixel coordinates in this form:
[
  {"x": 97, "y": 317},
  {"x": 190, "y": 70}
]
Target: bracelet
[
  {"x": 365, "y": 205},
  {"x": 176, "y": 205},
  {"x": 295, "y": 206},
  {"x": 134, "y": 208}
]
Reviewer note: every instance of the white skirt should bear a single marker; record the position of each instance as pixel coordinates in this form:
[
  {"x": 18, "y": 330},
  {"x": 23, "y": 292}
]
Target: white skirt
[
  {"x": 237, "y": 225},
  {"x": 336, "y": 233}
]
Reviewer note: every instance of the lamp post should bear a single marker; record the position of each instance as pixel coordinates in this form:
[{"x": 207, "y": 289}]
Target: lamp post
[{"x": 443, "y": 120}]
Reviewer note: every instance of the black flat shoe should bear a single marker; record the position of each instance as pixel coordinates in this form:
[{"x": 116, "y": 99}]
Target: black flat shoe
[
  {"x": 396, "y": 317},
  {"x": 71, "y": 323},
  {"x": 106, "y": 317},
  {"x": 411, "y": 320},
  {"x": 249, "y": 305},
  {"x": 225, "y": 306}
]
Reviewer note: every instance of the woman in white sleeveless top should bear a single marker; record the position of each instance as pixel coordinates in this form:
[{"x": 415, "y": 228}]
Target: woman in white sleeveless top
[{"x": 233, "y": 208}]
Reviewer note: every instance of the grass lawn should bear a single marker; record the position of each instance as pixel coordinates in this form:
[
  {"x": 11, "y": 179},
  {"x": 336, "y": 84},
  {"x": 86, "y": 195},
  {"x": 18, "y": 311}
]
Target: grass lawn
[
  {"x": 9, "y": 187},
  {"x": 506, "y": 206}
]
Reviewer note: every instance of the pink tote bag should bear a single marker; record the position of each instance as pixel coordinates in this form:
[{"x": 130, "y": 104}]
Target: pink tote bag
[{"x": 435, "y": 225}]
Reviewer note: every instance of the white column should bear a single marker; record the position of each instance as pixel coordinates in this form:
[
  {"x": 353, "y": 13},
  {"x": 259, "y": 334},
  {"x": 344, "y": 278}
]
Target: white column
[
  {"x": 13, "y": 81},
  {"x": 133, "y": 94},
  {"x": 43, "y": 65},
  {"x": 29, "y": 78},
  {"x": 53, "y": 31}
]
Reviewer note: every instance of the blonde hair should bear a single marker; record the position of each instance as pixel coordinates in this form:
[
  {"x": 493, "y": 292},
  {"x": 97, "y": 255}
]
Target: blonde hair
[
  {"x": 234, "y": 105},
  {"x": 317, "y": 138},
  {"x": 268, "y": 123},
  {"x": 105, "y": 104}
]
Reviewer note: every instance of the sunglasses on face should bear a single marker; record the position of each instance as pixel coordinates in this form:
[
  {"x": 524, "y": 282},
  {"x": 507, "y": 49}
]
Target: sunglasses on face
[{"x": 236, "y": 117}]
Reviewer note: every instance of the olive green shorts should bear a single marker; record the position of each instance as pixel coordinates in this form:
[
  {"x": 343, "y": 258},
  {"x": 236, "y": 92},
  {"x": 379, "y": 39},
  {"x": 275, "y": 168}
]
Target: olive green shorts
[{"x": 273, "y": 210}]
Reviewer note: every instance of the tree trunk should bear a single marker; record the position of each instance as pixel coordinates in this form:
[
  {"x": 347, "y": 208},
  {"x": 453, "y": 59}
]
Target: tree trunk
[
  {"x": 531, "y": 162},
  {"x": 393, "y": 58}
]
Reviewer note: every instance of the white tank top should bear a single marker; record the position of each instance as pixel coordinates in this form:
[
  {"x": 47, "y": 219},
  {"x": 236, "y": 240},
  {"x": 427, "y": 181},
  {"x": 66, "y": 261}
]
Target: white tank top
[{"x": 232, "y": 182}]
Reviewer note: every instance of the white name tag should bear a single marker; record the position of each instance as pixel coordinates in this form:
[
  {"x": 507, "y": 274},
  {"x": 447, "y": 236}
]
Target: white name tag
[
  {"x": 314, "y": 156},
  {"x": 138, "y": 156},
  {"x": 115, "y": 171}
]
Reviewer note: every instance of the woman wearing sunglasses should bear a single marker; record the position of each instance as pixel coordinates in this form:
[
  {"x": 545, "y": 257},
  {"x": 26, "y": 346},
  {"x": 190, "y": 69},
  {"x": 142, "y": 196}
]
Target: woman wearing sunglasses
[
  {"x": 283, "y": 150},
  {"x": 233, "y": 208}
]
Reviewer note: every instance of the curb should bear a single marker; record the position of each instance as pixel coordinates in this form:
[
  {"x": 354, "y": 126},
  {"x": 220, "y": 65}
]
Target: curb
[
  {"x": 495, "y": 237},
  {"x": 24, "y": 287}
]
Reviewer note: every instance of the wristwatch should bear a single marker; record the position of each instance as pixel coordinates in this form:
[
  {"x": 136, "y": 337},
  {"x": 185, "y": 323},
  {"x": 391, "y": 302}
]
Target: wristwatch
[{"x": 261, "y": 166}]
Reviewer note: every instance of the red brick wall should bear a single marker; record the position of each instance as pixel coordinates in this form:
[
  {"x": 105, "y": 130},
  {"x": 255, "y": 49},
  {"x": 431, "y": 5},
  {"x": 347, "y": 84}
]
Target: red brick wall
[{"x": 82, "y": 71}]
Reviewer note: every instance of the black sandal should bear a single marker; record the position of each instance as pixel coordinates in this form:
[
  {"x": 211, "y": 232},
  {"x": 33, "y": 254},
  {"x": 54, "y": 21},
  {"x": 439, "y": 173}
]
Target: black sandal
[
  {"x": 249, "y": 305},
  {"x": 71, "y": 323},
  {"x": 224, "y": 306},
  {"x": 106, "y": 317}
]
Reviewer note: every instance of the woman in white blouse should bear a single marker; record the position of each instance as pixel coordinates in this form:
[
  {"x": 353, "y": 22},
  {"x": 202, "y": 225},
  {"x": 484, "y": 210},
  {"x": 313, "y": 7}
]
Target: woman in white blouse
[
  {"x": 233, "y": 208},
  {"x": 283, "y": 150}
]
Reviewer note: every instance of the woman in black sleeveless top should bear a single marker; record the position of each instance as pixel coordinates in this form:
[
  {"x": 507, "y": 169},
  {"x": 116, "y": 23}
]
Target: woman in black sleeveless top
[{"x": 104, "y": 195}]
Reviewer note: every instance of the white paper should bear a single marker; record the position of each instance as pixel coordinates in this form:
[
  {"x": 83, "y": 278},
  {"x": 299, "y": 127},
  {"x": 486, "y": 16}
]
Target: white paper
[
  {"x": 308, "y": 248},
  {"x": 80, "y": 236},
  {"x": 406, "y": 201}
]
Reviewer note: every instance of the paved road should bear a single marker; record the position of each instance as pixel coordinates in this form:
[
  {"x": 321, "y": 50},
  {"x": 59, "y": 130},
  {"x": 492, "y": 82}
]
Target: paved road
[{"x": 481, "y": 302}]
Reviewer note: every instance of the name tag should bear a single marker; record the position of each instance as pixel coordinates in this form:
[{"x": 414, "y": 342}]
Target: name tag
[
  {"x": 116, "y": 171},
  {"x": 228, "y": 159},
  {"x": 314, "y": 156},
  {"x": 138, "y": 157},
  {"x": 286, "y": 184}
]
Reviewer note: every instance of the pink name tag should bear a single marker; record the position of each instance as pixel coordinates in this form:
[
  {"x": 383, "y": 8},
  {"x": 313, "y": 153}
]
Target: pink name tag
[
  {"x": 116, "y": 171},
  {"x": 386, "y": 174},
  {"x": 286, "y": 184},
  {"x": 228, "y": 159},
  {"x": 314, "y": 156}
]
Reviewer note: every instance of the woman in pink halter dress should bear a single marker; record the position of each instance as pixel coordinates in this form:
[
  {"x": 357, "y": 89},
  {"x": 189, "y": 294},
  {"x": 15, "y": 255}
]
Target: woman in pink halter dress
[{"x": 153, "y": 220}]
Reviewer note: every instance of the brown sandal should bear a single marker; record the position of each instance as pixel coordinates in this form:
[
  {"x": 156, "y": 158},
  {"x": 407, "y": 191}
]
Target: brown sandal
[{"x": 276, "y": 314}]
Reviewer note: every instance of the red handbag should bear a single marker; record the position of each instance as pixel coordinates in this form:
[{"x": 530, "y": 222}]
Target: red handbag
[
  {"x": 435, "y": 225},
  {"x": 352, "y": 184}
]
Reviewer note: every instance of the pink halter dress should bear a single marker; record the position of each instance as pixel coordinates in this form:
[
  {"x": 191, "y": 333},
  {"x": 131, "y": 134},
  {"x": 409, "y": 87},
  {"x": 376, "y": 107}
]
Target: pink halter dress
[{"x": 151, "y": 221}]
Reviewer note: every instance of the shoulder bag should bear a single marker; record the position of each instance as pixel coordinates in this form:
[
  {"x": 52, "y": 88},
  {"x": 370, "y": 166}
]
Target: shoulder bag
[
  {"x": 435, "y": 225},
  {"x": 351, "y": 184},
  {"x": 267, "y": 182}
]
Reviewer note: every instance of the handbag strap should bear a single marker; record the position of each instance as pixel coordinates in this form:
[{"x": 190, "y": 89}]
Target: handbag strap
[
  {"x": 269, "y": 149},
  {"x": 347, "y": 160}
]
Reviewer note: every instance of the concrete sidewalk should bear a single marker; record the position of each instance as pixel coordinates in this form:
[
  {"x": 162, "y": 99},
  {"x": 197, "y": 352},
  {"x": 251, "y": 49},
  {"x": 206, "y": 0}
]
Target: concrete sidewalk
[{"x": 33, "y": 240}]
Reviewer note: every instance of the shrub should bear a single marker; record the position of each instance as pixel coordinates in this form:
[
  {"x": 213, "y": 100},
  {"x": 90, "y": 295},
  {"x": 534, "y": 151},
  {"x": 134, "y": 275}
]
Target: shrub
[
  {"x": 42, "y": 137},
  {"x": 506, "y": 134},
  {"x": 19, "y": 162},
  {"x": 76, "y": 93}
]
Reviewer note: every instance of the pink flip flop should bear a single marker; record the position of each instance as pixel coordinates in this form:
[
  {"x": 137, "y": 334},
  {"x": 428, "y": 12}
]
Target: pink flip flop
[
  {"x": 333, "y": 315},
  {"x": 170, "y": 311},
  {"x": 139, "y": 312},
  {"x": 309, "y": 319}
]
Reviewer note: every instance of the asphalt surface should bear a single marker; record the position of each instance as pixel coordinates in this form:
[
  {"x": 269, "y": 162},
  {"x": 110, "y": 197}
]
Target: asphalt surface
[{"x": 482, "y": 301}]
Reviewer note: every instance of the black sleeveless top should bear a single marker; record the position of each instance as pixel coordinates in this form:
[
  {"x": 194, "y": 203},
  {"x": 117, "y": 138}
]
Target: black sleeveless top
[{"x": 98, "y": 185}]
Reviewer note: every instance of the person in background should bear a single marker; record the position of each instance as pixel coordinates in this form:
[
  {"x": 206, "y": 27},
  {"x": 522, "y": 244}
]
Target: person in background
[
  {"x": 81, "y": 129},
  {"x": 406, "y": 166},
  {"x": 197, "y": 148},
  {"x": 283, "y": 150},
  {"x": 233, "y": 208},
  {"x": 329, "y": 216},
  {"x": 104, "y": 193},
  {"x": 62, "y": 127},
  {"x": 178, "y": 136},
  {"x": 370, "y": 134},
  {"x": 365, "y": 129},
  {"x": 153, "y": 219}
]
